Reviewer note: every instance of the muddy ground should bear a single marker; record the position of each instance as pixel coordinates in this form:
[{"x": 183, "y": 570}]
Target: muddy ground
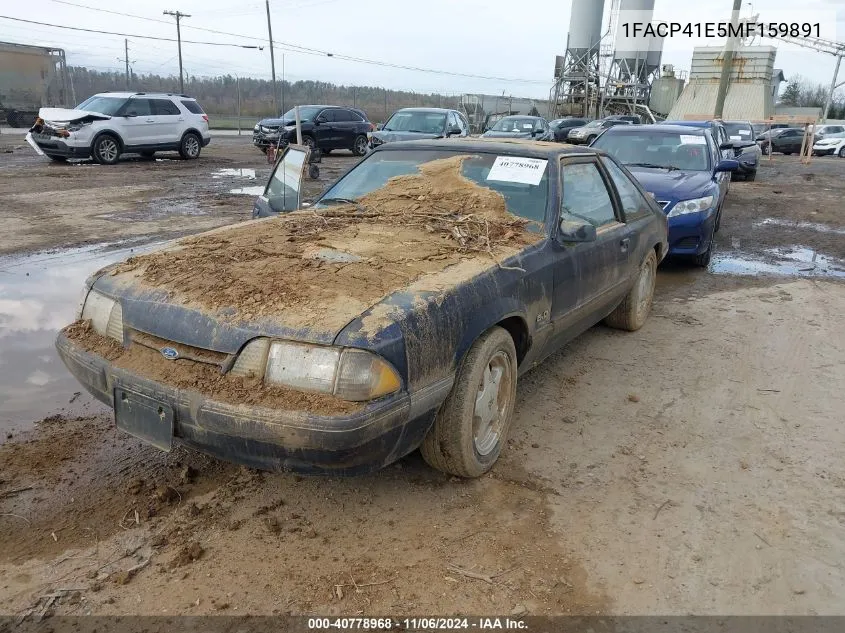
[{"x": 691, "y": 467}]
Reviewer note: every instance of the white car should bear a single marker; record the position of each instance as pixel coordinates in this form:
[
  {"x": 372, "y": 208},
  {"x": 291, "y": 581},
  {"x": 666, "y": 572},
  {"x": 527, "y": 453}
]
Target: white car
[
  {"x": 833, "y": 144},
  {"x": 113, "y": 123}
]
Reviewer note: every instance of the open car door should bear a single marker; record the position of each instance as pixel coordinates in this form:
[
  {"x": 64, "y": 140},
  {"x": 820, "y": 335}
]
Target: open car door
[{"x": 284, "y": 189}]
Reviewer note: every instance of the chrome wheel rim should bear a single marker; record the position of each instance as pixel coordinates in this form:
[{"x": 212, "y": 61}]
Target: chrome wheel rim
[
  {"x": 644, "y": 287},
  {"x": 108, "y": 150},
  {"x": 361, "y": 146},
  {"x": 492, "y": 402},
  {"x": 309, "y": 142},
  {"x": 192, "y": 146}
]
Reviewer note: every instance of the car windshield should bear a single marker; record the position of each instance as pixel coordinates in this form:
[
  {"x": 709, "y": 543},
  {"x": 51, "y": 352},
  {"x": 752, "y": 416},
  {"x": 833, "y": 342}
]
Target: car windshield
[
  {"x": 423, "y": 122},
  {"x": 102, "y": 105},
  {"x": 306, "y": 113},
  {"x": 739, "y": 131},
  {"x": 596, "y": 123},
  {"x": 670, "y": 150},
  {"x": 514, "y": 124},
  {"x": 514, "y": 182}
]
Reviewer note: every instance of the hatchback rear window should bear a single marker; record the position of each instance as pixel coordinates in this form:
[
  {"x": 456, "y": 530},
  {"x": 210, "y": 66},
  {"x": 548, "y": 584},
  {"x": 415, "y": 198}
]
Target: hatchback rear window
[{"x": 193, "y": 107}]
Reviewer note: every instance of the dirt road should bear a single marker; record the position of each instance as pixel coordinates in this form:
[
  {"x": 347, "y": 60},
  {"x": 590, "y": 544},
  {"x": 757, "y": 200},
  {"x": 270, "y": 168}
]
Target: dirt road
[{"x": 692, "y": 466}]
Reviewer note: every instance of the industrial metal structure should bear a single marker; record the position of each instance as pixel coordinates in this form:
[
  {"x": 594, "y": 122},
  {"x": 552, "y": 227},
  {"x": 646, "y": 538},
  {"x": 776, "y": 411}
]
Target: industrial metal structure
[
  {"x": 31, "y": 77},
  {"x": 577, "y": 72},
  {"x": 749, "y": 94},
  {"x": 602, "y": 70},
  {"x": 666, "y": 89},
  {"x": 635, "y": 59}
]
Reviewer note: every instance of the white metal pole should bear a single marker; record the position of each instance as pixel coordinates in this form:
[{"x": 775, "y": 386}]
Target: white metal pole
[{"x": 298, "y": 126}]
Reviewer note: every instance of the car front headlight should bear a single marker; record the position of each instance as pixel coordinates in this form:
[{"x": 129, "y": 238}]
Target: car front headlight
[
  {"x": 289, "y": 128},
  {"x": 349, "y": 374},
  {"x": 691, "y": 206},
  {"x": 105, "y": 314},
  {"x": 256, "y": 128}
]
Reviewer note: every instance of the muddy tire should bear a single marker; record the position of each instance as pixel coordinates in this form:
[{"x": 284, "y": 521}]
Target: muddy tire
[
  {"x": 590, "y": 139},
  {"x": 472, "y": 425},
  {"x": 106, "y": 149},
  {"x": 632, "y": 313},
  {"x": 190, "y": 146},
  {"x": 703, "y": 260},
  {"x": 766, "y": 150},
  {"x": 359, "y": 145},
  {"x": 309, "y": 141}
]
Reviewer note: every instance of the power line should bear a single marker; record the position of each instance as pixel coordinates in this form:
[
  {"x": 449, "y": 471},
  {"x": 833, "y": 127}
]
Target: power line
[
  {"x": 134, "y": 35},
  {"x": 297, "y": 49}
]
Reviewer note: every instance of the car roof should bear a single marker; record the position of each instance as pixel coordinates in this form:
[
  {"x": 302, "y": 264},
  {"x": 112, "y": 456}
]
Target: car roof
[
  {"x": 671, "y": 128},
  {"x": 699, "y": 124},
  {"x": 520, "y": 147},
  {"x": 520, "y": 116},
  {"x": 126, "y": 95},
  {"x": 436, "y": 110}
]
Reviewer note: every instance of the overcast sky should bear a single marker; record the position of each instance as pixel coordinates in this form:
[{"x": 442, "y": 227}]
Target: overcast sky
[{"x": 516, "y": 42}]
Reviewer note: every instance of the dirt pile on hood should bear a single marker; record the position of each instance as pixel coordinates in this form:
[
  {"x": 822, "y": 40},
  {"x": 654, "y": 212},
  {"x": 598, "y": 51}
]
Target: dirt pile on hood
[{"x": 323, "y": 267}]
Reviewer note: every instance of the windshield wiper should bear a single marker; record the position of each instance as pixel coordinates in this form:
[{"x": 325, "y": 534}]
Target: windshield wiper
[
  {"x": 416, "y": 131},
  {"x": 653, "y": 166},
  {"x": 338, "y": 201}
]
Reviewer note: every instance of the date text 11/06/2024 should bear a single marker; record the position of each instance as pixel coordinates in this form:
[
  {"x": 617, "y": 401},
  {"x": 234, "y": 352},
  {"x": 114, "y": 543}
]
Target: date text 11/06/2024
[
  {"x": 417, "y": 624},
  {"x": 741, "y": 30}
]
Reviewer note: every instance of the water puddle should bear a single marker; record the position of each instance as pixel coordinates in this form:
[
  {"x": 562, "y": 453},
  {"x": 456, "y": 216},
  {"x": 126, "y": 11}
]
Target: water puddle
[
  {"x": 248, "y": 191},
  {"x": 812, "y": 226},
  {"x": 234, "y": 173},
  {"x": 802, "y": 262},
  {"x": 39, "y": 294}
]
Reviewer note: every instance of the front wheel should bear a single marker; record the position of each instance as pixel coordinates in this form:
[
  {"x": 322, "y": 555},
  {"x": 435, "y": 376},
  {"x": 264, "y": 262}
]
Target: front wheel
[
  {"x": 190, "y": 147},
  {"x": 359, "y": 146},
  {"x": 590, "y": 139},
  {"x": 472, "y": 425},
  {"x": 703, "y": 260},
  {"x": 106, "y": 149},
  {"x": 632, "y": 313}
]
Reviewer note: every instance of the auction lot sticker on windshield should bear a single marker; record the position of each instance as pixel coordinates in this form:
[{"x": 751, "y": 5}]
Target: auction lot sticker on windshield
[
  {"x": 689, "y": 139},
  {"x": 528, "y": 171}
]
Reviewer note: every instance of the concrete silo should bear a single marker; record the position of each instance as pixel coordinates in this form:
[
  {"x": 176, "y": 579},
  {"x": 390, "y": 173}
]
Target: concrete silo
[
  {"x": 577, "y": 82},
  {"x": 635, "y": 59}
]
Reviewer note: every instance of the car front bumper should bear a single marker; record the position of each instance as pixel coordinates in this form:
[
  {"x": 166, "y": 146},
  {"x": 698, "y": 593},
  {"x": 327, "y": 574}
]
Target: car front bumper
[
  {"x": 263, "y": 139},
  {"x": 690, "y": 234},
  {"x": 823, "y": 150},
  {"x": 55, "y": 146},
  {"x": 271, "y": 439}
]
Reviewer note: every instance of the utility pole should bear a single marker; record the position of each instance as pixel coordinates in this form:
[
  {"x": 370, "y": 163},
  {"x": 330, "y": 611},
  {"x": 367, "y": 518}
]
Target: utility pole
[
  {"x": 727, "y": 63},
  {"x": 179, "y": 15},
  {"x": 126, "y": 59},
  {"x": 272, "y": 57}
]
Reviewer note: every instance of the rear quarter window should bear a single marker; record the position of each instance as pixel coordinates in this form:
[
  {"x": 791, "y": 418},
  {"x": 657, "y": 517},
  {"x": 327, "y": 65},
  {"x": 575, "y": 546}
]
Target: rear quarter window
[{"x": 193, "y": 107}]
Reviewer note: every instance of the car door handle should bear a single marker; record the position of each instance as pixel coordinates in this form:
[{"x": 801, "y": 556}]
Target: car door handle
[
  {"x": 624, "y": 243},
  {"x": 150, "y": 120}
]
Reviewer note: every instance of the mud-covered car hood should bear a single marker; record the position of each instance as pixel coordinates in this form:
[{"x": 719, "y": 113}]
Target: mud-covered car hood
[
  {"x": 65, "y": 115},
  {"x": 389, "y": 136}
]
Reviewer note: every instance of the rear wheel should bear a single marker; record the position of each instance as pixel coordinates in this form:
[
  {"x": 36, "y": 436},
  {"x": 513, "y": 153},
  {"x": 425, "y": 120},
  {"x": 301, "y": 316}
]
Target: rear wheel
[
  {"x": 472, "y": 425},
  {"x": 106, "y": 149},
  {"x": 190, "y": 147},
  {"x": 590, "y": 139},
  {"x": 632, "y": 313},
  {"x": 842, "y": 152},
  {"x": 359, "y": 145}
]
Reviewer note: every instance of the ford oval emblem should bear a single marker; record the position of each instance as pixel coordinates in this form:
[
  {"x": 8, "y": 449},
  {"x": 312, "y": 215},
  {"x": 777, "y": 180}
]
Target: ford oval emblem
[{"x": 169, "y": 353}]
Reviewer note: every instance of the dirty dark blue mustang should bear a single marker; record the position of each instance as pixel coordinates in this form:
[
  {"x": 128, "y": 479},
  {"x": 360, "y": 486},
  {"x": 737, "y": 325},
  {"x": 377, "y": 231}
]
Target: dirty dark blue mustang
[{"x": 432, "y": 363}]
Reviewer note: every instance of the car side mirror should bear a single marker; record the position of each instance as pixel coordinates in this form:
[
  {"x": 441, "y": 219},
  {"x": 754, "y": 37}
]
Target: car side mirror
[
  {"x": 129, "y": 115},
  {"x": 728, "y": 145},
  {"x": 577, "y": 230},
  {"x": 455, "y": 131},
  {"x": 726, "y": 165}
]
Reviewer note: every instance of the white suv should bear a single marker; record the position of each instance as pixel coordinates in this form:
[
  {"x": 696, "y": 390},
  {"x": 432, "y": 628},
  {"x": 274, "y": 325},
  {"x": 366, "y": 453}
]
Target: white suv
[{"x": 113, "y": 123}]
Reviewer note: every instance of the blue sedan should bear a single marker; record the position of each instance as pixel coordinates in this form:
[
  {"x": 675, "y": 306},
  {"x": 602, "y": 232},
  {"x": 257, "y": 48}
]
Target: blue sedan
[{"x": 682, "y": 168}]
